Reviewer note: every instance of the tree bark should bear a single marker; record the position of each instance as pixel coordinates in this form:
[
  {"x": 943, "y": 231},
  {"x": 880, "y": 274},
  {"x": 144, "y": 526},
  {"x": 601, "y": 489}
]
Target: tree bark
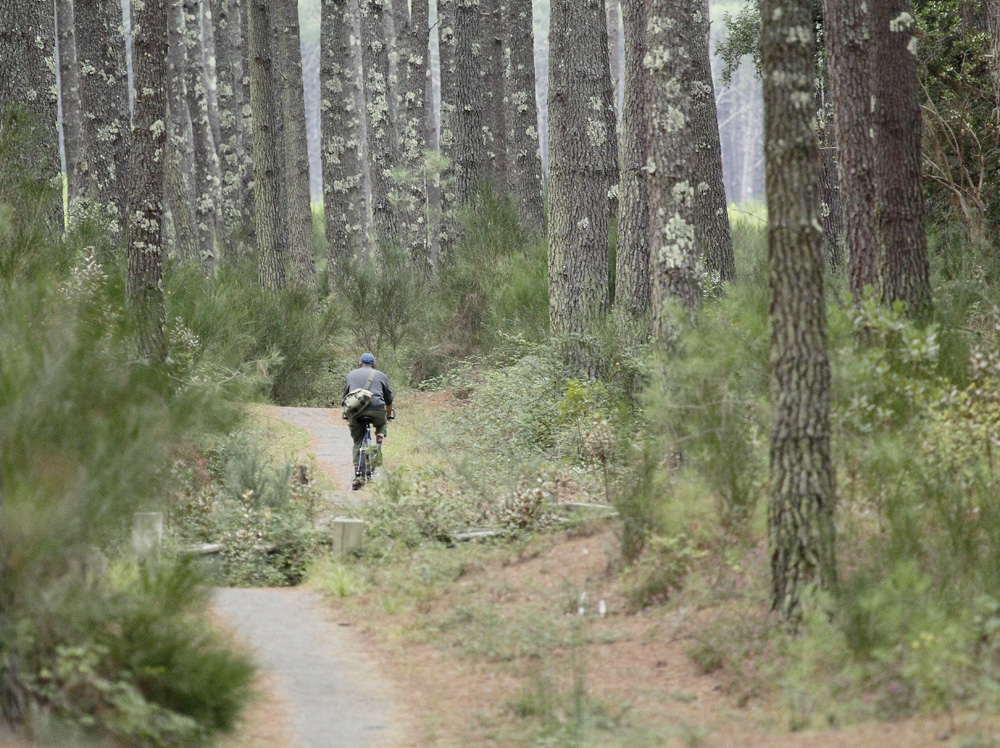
[
  {"x": 632, "y": 282},
  {"x": 300, "y": 234},
  {"x": 100, "y": 46},
  {"x": 471, "y": 153},
  {"x": 382, "y": 149},
  {"x": 28, "y": 84},
  {"x": 144, "y": 252},
  {"x": 524, "y": 156},
  {"x": 993, "y": 24},
  {"x": 226, "y": 18},
  {"x": 831, "y": 205},
  {"x": 342, "y": 165},
  {"x": 69, "y": 91},
  {"x": 609, "y": 105},
  {"x": 491, "y": 87},
  {"x": 263, "y": 102},
  {"x": 845, "y": 29},
  {"x": 446, "y": 140},
  {"x": 580, "y": 162},
  {"x": 713, "y": 234},
  {"x": 615, "y": 56},
  {"x": 178, "y": 180},
  {"x": 414, "y": 136},
  {"x": 800, "y": 512},
  {"x": 674, "y": 263},
  {"x": 903, "y": 268},
  {"x": 207, "y": 188}
]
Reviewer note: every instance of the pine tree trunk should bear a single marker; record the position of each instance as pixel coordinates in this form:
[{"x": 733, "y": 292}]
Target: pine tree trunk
[
  {"x": 249, "y": 195},
  {"x": 632, "y": 282},
  {"x": 713, "y": 234},
  {"x": 300, "y": 235},
  {"x": 993, "y": 24},
  {"x": 414, "y": 134},
  {"x": 206, "y": 159},
  {"x": 281, "y": 184},
  {"x": 521, "y": 111},
  {"x": 264, "y": 103},
  {"x": 615, "y": 54},
  {"x": 211, "y": 73},
  {"x": 178, "y": 180},
  {"x": 69, "y": 85},
  {"x": 470, "y": 150},
  {"x": 229, "y": 76},
  {"x": 342, "y": 177},
  {"x": 800, "y": 513},
  {"x": 580, "y": 153},
  {"x": 491, "y": 86},
  {"x": 100, "y": 46},
  {"x": 609, "y": 105},
  {"x": 144, "y": 253},
  {"x": 904, "y": 270},
  {"x": 28, "y": 82},
  {"x": 382, "y": 150},
  {"x": 446, "y": 140},
  {"x": 674, "y": 264},
  {"x": 831, "y": 205}
]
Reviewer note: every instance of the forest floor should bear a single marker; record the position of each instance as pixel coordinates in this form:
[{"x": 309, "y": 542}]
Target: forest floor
[{"x": 502, "y": 647}]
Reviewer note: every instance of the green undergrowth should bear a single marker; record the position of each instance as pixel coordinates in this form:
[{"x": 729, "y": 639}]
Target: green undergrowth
[{"x": 92, "y": 645}]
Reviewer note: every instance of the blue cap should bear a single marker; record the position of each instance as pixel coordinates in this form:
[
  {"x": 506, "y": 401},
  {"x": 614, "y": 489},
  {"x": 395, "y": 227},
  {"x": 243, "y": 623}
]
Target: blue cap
[{"x": 367, "y": 358}]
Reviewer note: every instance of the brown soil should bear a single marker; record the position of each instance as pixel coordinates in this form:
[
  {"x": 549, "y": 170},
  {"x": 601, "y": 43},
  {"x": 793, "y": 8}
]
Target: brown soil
[{"x": 644, "y": 667}]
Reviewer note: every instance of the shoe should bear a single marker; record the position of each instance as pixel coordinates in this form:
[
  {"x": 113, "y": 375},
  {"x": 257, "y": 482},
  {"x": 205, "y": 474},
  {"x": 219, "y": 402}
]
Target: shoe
[
  {"x": 358, "y": 483},
  {"x": 379, "y": 438}
]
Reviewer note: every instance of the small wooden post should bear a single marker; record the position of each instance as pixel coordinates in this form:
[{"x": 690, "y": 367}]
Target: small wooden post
[
  {"x": 347, "y": 534},
  {"x": 147, "y": 536}
]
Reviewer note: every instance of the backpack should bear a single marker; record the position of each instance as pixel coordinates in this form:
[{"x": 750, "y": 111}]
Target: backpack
[{"x": 356, "y": 401}]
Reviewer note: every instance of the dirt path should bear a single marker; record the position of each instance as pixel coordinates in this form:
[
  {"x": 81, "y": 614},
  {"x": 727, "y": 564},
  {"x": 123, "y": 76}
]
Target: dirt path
[
  {"x": 334, "y": 693},
  {"x": 330, "y": 439}
]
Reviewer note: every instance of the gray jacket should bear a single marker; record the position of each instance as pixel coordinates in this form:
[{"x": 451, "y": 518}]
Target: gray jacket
[{"x": 381, "y": 394}]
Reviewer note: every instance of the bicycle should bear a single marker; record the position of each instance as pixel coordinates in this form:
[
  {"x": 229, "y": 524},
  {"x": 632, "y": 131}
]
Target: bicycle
[{"x": 370, "y": 455}]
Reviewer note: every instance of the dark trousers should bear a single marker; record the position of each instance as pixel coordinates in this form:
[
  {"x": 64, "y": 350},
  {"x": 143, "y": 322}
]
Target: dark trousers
[{"x": 358, "y": 427}]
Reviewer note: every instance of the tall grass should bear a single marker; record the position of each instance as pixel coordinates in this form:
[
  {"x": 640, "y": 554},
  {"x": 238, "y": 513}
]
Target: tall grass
[{"x": 86, "y": 433}]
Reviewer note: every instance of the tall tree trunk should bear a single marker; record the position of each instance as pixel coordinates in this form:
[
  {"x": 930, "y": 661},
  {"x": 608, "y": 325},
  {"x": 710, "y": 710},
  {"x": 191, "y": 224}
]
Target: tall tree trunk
[
  {"x": 229, "y": 76},
  {"x": 249, "y": 194},
  {"x": 281, "y": 185},
  {"x": 615, "y": 54},
  {"x": 69, "y": 91},
  {"x": 470, "y": 149},
  {"x": 28, "y": 82},
  {"x": 144, "y": 253},
  {"x": 178, "y": 180},
  {"x": 343, "y": 200},
  {"x": 382, "y": 150},
  {"x": 264, "y": 103},
  {"x": 521, "y": 111},
  {"x": 845, "y": 30},
  {"x": 206, "y": 159},
  {"x": 831, "y": 204},
  {"x": 632, "y": 283},
  {"x": 800, "y": 512},
  {"x": 904, "y": 268},
  {"x": 414, "y": 134},
  {"x": 674, "y": 264},
  {"x": 100, "y": 46},
  {"x": 491, "y": 86},
  {"x": 713, "y": 234},
  {"x": 580, "y": 153},
  {"x": 446, "y": 140},
  {"x": 609, "y": 105},
  {"x": 993, "y": 24},
  {"x": 300, "y": 234},
  {"x": 210, "y": 56}
]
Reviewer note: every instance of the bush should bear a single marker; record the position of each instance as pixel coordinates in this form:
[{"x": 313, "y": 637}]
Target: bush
[{"x": 86, "y": 437}]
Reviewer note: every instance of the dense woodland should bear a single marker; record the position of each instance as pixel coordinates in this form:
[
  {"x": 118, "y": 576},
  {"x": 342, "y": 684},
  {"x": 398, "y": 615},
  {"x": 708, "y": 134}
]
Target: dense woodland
[{"x": 732, "y": 269}]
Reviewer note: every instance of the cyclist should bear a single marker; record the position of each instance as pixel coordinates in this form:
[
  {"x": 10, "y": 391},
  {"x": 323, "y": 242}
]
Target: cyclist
[{"x": 378, "y": 410}]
